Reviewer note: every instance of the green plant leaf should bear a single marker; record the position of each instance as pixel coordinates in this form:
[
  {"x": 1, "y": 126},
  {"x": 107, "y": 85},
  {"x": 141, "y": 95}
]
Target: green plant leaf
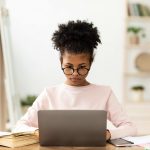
[
  {"x": 134, "y": 30},
  {"x": 28, "y": 100}
]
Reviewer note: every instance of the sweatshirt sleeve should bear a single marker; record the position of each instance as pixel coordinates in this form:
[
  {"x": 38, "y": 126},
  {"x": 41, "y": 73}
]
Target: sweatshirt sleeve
[
  {"x": 29, "y": 121},
  {"x": 117, "y": 115}
]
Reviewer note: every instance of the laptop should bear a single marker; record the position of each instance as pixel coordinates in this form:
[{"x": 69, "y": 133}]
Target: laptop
[{"x": 85, "y": 128}]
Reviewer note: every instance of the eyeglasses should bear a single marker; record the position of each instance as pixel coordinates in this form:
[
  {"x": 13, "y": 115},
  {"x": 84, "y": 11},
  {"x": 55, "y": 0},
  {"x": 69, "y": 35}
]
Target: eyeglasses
[{"x": 81, "y": 70}]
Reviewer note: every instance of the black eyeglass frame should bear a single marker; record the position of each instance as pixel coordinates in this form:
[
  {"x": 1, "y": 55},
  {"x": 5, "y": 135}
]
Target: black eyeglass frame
[{"x": 74, "y": 70}]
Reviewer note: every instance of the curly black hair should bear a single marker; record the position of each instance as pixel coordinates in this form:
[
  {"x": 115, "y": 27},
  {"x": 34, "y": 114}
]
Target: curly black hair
[{"x": 76, "y": 37}]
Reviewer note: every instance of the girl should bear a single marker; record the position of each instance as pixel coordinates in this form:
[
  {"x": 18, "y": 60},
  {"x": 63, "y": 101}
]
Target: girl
[{"x": 76, "y": 42}]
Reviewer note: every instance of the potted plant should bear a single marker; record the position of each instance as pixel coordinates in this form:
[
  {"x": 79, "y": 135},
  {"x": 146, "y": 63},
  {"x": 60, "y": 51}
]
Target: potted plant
[
  {"x": 27, "y": 102},
  {"x": 138, "y": 93},
  {"x": 134, "y": 36}
]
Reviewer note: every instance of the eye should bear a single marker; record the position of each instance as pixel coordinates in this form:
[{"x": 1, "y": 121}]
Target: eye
[
  {"x": 69, "y": 67},
  {"x": 81, "y": 67}
]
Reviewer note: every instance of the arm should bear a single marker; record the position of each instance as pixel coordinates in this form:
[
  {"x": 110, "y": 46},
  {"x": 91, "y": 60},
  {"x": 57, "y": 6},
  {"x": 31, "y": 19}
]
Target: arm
[
  {"x": 116, "y": 114},
  {"x": 29, "y": 121}
]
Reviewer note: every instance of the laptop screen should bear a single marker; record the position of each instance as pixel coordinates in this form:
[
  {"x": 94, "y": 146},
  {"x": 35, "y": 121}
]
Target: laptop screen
[{"x": 72, "y": 127}]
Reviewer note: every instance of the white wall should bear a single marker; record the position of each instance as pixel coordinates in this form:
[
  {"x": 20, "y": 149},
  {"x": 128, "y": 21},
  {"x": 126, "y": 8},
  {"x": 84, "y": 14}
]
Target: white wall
[{"x": 36, "y": 64}]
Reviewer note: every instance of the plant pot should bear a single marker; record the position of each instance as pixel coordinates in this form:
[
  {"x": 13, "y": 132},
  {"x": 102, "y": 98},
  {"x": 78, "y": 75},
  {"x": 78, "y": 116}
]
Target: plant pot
[
  {"x": 134, "y": 40},
  {"x": 137, "y": 95}
]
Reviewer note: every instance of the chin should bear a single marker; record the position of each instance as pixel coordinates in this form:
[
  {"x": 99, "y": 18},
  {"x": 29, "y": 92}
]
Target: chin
[{"x": 76, "y": 83}]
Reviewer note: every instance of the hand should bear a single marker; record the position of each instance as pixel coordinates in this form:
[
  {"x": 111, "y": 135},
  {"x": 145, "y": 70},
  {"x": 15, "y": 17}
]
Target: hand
[{"x": 108, "y": 135}]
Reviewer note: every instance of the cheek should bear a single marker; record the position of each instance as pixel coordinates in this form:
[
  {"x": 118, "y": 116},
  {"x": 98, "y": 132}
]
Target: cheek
[{"x": 85, "y": 76}]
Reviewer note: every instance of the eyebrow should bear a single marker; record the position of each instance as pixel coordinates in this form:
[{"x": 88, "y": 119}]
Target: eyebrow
[
  {"x": 72, "y": 64},
  {"x": 68, "y": 64}
]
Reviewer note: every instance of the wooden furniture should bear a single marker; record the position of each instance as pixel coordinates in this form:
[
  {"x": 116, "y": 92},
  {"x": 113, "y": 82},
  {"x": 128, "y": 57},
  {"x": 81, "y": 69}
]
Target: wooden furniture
[
  {"x": 137, "y": 55},
  {"x": 38, "y": 147},
  {"x": 139, "y": 113},
  {"x": 137, "y": 107}
]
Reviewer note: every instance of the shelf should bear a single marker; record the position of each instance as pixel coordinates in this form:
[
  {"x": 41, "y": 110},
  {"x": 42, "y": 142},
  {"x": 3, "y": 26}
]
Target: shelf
[
  {"x": 139, "y": 18},
  {"x": 134, "y": 63},
  {"x": 141, "y": 74},
  {"x": 136, "y": 56},
  {"x": 145, "y": 46},
  {"x": 143, "y": 104}
]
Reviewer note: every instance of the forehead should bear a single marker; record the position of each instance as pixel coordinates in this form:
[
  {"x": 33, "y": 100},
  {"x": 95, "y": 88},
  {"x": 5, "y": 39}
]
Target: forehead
[{"x": 75, "y": 58}]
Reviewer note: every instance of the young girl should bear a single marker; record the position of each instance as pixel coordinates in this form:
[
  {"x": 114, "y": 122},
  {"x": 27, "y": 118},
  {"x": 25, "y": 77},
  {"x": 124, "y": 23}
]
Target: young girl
[{"x": 76, "y": 42}]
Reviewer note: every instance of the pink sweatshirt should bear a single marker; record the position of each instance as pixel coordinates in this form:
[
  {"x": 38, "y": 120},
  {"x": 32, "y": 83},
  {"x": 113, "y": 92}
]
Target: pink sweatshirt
[{"x": 90, "y": 97}]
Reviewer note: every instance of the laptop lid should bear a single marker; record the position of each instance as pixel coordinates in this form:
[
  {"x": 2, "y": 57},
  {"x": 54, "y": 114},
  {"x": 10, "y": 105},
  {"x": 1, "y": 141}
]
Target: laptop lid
[{"x": 72, "y": 127}]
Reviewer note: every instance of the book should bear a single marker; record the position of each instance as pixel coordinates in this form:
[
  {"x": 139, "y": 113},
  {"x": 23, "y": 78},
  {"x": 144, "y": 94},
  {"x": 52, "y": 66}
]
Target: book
[
  {"x": 146, "y": 146},
  {"x": 143, "y": 141},
  {"x": 18, "y": 139}
]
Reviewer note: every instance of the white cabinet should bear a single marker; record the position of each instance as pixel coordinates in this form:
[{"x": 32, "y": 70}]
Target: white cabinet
[
  {"x": 137, "y": 52},
  {"x": 139, "y": 113},
  {"x": 137, "y": 64}
]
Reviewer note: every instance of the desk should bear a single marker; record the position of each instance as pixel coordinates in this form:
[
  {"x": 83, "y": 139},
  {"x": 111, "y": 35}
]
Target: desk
[{"x": 38, "y": 147}]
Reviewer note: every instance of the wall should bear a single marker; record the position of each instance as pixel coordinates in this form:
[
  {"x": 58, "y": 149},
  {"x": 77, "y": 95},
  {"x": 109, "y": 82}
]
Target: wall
[{"x": 36, "y": 64}]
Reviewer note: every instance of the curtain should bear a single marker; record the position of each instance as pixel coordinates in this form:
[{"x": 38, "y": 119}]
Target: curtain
[
  {"x": 3, "y": 105},
  {"x": 13, "y": 103}
]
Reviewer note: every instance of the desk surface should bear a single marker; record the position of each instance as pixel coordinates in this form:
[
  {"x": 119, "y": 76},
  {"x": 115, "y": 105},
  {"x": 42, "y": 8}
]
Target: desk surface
[{"x": 38, "y": 147}]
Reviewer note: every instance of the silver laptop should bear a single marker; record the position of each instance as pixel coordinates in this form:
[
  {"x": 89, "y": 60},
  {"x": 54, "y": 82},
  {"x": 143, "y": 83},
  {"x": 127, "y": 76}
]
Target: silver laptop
[{"x": 72, "y": 127}]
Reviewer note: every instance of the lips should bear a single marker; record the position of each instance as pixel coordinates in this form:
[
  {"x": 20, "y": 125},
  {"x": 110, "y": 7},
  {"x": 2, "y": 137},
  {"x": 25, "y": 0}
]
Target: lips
[{"x": 75, "y": 79}]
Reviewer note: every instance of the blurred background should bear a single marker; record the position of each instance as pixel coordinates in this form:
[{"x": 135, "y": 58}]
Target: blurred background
[{"x": 29, "y": 63}]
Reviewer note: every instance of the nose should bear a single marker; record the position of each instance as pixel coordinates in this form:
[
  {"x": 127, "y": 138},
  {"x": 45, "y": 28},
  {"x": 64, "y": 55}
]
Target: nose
[{"x": 75, "y": 72}]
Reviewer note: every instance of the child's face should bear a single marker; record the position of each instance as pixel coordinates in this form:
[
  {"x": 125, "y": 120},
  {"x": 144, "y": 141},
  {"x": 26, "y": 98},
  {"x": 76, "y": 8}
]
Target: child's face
[{"x": 71, "y": 62}]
